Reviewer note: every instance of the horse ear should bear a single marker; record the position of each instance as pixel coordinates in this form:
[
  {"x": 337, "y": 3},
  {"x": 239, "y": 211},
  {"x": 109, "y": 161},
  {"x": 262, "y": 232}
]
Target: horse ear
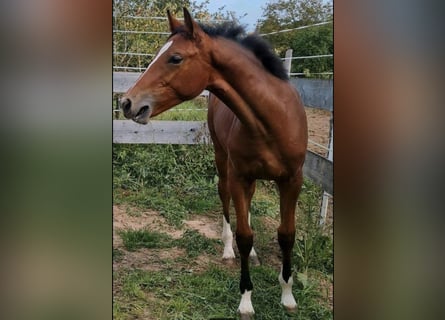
[
  {"x": 191, "y": 26},
  {"x": 173, "y": 22}
]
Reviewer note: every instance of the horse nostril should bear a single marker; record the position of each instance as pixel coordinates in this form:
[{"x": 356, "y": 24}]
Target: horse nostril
[{"x": 125, "y": 104}]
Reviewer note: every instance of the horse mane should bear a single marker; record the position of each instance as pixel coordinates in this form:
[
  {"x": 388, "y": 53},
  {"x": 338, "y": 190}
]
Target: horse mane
[{"x": 253, "y": 42}]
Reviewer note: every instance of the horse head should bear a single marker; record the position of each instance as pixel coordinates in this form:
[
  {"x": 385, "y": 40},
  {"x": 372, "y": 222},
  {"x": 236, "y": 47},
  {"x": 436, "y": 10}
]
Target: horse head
[{"x": 180, "y": 71}]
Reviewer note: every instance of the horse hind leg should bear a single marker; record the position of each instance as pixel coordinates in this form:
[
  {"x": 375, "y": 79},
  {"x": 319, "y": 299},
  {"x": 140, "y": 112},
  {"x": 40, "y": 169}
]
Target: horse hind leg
[{"x": 289, "y": 192}]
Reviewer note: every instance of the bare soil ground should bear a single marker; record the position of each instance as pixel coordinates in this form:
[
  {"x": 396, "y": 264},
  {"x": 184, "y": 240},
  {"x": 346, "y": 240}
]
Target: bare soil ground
[
  {"x": 318, "y": 128},
  {"x": 126, "y": 217}
]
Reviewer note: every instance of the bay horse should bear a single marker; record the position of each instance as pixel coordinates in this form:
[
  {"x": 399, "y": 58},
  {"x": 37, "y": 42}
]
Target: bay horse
[{"x": 256, "y": 120}]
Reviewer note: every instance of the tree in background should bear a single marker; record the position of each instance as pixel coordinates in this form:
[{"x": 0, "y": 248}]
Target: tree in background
[
  {"x": 318, "y": 40},
  {"x": 151, "y": 16}
]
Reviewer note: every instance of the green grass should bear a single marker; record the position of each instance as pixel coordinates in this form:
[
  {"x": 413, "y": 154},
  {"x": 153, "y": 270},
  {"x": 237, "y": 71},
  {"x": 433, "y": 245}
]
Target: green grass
[
  {"x": 196, "y": 244},
  {"x": 172, "y": 179},
  {"x": 181, "y": 180},
  {"x": 117, "y": 254},
  {"x": 136, "y": 239},
  {"x": 214, "y": 293}
]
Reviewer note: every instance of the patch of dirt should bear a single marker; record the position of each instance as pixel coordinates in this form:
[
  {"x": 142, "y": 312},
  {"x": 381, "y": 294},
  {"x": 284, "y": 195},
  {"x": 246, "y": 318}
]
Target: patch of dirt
[
  {"x": 147, "y": 219},
  {"x": 127, "y": 217},
  {"x": 148, "y": 259},
  {"x": 207, "y": 226},
  {"x": 318, "y": 129}
]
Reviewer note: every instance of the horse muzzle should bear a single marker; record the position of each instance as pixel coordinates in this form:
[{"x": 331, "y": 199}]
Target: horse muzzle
[{"x": 140, "y": 116}]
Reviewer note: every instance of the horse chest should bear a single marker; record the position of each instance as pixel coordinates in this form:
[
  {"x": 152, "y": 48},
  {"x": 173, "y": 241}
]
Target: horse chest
[{"x": 258, "y": 164}]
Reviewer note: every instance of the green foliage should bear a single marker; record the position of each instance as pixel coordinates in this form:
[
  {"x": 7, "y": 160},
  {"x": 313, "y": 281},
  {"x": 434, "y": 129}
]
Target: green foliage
[
  {"x": 117, "y": 254},
  {"x": 185, "y": 289},
  {"x": 136, "y": 239},
  {"x": 194, "y": 110},
  {"x": 294, "y": 12},
  {"x": 214, "y": 293},
  {"x": 263, "y": 207},
  {"x": 289, "y": 14},
  {"x": 173, "y": 179},
  {"x": 149, "y": 43},
  {"x": 196, "y": 244},
  {"x": 123, "y": 10},
  {"x": 313, "y": 247},
  {"x": 314, "y": 251},
  {"x": 162, "y": 166},
  {"x": 311, "y": 42}
]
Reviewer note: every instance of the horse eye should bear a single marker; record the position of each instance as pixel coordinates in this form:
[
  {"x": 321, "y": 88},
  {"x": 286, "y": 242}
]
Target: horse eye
[{"x": 176, "y": 59}]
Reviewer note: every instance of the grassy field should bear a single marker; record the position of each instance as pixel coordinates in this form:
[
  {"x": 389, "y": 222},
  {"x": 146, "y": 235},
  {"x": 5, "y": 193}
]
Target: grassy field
[{"x": 166, "y": 240}]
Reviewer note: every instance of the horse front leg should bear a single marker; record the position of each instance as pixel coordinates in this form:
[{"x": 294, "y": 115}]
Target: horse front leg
[
  {"x": 227, "y": 235},
  {"x": 242, "y": 191},
  {"x": 224, "y": 195},
  {"x": 289, "y": 191}
]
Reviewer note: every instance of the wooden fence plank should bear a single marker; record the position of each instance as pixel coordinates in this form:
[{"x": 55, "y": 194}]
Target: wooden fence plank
[
  {"x": 122, "y": 81},
  {"x": 316, "y": 168},
  {"x": 160, "y": 132}
]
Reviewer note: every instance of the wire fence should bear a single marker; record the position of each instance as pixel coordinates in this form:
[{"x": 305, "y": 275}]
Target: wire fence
[
  {"x": 143, "y": 57},
  {"x": 297, "y": 28}
]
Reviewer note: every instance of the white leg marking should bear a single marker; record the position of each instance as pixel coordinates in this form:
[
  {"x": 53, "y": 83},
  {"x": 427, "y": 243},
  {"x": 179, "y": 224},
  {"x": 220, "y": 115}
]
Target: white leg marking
[
  {"x": 227, "y": 238},
  {"x": 287, "y": 298},
  {"x": 252, "y": 252},
  {"x": 245, "y": 306}
]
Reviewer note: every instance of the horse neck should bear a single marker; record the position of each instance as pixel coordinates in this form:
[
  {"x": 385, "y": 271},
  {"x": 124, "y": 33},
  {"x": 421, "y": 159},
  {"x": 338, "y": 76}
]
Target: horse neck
[{"x": 240, "y": 81}]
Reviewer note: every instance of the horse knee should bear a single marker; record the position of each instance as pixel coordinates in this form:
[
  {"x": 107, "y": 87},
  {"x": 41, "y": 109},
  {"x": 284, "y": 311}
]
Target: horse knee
[
  {"x": 286, "y": 239},
  {"x": 244, "y": 241}
]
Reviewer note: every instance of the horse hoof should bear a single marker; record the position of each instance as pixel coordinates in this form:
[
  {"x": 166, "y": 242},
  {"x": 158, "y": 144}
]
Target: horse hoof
[
  {"x": 291, "y": 309},
  {"x": 228, "y": 257},
  {"x": 228, "y": 254}
]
